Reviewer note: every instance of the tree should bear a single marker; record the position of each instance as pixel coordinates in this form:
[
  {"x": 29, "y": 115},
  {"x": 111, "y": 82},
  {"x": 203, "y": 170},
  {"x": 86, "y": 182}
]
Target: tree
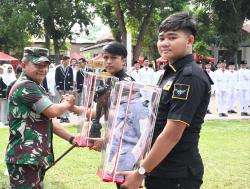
[
  {"x": 227, "y": 16},
  {"x": 13, "y": 24},
  {"x": 56, "y": 18},
  {"x": 135, "y": 16}
]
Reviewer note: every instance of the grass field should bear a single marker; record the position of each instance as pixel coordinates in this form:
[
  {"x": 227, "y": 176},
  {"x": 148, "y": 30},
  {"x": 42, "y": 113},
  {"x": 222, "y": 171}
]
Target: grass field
[{"x": 224, "y": 145}]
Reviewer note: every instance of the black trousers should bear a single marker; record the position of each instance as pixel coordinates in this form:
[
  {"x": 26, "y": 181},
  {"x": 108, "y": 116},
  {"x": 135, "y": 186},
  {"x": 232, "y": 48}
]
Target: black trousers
[{"x": 190, "y": 182}]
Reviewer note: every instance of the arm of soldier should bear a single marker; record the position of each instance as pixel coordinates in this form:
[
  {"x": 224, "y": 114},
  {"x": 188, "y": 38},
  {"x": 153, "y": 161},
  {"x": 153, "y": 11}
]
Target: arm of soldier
[
  {"x": 80, "y": 109},
  {"x": 76, "y": 109},
  {"x": 56, "y": 110},
  {"x": 63, "y": 133}
]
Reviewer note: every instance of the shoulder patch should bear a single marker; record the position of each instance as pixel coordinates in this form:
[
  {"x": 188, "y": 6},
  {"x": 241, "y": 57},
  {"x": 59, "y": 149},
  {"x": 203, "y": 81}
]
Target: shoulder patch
[{"x": 181, "y": 91}]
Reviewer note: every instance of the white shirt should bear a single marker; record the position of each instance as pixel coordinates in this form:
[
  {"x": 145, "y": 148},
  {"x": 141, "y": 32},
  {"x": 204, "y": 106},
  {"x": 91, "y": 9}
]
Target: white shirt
[
  {"x": 243, "y": 79},
  {"x": 221, "y": 80},
  {"x": 146, "y": 76}
]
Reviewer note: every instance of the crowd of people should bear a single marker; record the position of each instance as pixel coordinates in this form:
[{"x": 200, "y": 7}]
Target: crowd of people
[{"x": 231, "y": 86}]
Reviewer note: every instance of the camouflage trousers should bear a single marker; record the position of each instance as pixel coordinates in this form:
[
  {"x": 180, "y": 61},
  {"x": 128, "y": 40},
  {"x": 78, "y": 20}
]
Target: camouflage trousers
[{"x": 26, "y": 176}]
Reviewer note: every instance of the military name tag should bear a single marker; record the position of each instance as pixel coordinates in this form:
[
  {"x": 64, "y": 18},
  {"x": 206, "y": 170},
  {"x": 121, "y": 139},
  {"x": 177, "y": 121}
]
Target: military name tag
[{"x": 181, "y": 91}]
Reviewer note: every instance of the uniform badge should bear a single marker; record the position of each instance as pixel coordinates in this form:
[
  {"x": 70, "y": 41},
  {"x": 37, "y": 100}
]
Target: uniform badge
[
  {"x": 181, "y": 91},
  {"x": 167, "y": 86}
]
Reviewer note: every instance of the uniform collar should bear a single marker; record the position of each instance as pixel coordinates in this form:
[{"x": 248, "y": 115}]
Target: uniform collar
[
  {"x": 120, "y": 74},
  {"x": 24, "y": 76},
  {"x": 174, "y": 67}
]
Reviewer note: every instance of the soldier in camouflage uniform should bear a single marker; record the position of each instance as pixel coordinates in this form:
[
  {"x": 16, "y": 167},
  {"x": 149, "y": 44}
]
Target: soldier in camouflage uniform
[{"x": 30, "y": 150}]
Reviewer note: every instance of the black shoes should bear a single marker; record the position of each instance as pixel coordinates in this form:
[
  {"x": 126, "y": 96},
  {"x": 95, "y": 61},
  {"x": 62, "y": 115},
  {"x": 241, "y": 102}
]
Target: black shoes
[
  {"x": 244, "y": 114},
  {"x": 231, "y": 112},
  {"x": 222, "y": 115}
]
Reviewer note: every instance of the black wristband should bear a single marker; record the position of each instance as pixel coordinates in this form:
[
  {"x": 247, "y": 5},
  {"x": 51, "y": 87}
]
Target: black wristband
[{"x": 71, "y": 139}]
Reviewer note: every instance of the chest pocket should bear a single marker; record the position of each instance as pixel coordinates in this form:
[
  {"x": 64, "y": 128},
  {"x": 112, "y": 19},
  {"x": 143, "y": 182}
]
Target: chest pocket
[{"x": 167, "y": 88}]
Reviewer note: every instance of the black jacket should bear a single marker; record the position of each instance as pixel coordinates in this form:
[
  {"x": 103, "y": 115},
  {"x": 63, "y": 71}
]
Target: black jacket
[
  {"x": 80, "y": 78},
  {"x": 64, "y": 80},
  {"x": 3, "y": 89}
]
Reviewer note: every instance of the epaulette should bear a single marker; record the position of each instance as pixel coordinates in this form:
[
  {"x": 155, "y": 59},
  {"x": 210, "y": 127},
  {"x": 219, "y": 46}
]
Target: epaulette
[{"x": 187, "y": 70}]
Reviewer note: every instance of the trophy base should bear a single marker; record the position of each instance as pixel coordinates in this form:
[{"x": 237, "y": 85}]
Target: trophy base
[{"x": 109, "y": 177}]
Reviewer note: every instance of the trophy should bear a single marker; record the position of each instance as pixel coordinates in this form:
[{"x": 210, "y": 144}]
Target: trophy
[
  {"x": 129, "y": 130},
  {"x": 95, "y": 102}
]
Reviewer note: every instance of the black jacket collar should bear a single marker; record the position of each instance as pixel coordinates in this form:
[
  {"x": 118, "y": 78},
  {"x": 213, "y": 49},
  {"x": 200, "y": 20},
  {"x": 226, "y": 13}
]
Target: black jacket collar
[{"x": 180, "y": 63}]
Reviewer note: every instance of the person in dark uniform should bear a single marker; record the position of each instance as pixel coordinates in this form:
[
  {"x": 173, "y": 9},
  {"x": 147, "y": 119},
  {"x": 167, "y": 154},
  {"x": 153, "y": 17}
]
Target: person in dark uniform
[
  {"x": 114, "y": 55},
  {"x": 174, "y": 160},
  {"x": 64, "y": 82},
  {"x": 80, "y": 79}
]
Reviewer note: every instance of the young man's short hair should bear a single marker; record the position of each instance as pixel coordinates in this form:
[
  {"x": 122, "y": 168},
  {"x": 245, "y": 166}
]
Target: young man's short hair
[
  {"x": 179, "y": 21},
  {"x": 115, "y": 48}
]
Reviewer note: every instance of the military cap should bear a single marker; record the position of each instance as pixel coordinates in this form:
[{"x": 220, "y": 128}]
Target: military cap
[
  {"x": 65, "y": 57},
  {"x": 231, "y": 63},
  {"x": 243, "y": 62},
  {"x": 36, "y": 55}
]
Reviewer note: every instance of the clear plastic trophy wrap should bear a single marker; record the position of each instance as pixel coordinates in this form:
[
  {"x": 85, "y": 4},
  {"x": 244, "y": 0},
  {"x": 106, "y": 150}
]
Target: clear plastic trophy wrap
[
  {"x": 95, "y": 101},
  {"x": 130, "y": 127}
]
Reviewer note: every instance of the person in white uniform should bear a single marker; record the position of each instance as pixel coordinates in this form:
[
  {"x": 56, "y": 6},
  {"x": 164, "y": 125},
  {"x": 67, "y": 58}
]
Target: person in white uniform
[
  {"x": 8, "y": 77},
  {"x": 158, "y": 74},
  {"x": 243, "y": 87},
  {"x": 146, "y": 76},
  {"x": 211, "y": 75},
  {"x": 221, "y": 80},
  {"x": 135, "y": 72},
  {"x": 232, "y": 96},
  {"x": 51, "y": 82}
]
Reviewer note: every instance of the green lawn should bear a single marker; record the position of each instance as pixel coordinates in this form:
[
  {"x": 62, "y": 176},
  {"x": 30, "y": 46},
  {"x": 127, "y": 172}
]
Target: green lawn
[{"x": 224, "y": 145}]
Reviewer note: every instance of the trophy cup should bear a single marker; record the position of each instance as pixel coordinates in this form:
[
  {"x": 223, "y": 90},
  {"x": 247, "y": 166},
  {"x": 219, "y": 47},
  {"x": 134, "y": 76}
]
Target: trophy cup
[
  {"x": 95, "y": 102},
  {"x": 129, "y": 130}
]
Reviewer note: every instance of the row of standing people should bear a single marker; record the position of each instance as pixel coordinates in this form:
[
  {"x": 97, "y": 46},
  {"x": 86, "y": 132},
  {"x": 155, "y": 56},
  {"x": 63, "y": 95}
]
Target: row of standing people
[
  {"x": 63, "y": 79},
  {"x": 230, "y": 86},
  {"x": 7, "y": 76}
]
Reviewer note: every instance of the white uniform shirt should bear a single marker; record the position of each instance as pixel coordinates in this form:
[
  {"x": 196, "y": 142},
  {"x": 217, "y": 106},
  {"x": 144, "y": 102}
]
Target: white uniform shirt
[
  {"x": 243, "y": 79},
  {"x": 135, "y": 75},
  {"x": 221, "y": 80},
  {"x": 232, "y": 79},
  {"x": 157, "y": 76},
  {"x": 146, "y": 76}
]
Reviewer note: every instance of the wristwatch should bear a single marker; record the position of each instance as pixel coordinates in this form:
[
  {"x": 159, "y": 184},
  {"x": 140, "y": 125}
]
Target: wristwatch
[{"x": 141, "y": 170}]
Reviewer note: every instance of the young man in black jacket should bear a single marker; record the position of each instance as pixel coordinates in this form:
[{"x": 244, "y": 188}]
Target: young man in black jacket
[
  {"x": 174, "y": 160},
  {"x": 64, "y": 82}
]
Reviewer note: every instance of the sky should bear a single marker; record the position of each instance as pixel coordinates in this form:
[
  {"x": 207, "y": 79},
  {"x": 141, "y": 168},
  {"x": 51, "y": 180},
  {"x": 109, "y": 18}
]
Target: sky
[{"x": 96, "y": 31}]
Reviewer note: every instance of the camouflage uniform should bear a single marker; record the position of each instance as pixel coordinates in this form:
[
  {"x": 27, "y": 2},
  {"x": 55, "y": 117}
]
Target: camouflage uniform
[{"x": 29, "y": 150}]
